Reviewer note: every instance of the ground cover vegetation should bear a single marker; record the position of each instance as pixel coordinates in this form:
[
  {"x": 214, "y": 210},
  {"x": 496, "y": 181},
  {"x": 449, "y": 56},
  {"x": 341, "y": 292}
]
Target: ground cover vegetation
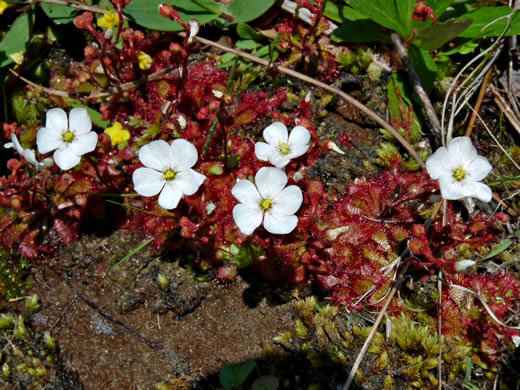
[{"x": 359, "y": 158}]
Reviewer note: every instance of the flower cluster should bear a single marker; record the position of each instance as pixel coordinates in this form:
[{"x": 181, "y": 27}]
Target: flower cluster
[
  {"x": 270, "y": 202},
  {"x": 168, "y": 172}
]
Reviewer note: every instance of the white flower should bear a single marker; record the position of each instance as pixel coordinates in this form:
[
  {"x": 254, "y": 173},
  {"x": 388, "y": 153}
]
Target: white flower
[
  {"x": 168, "y": 171},
  {"x": 281, "y": 148},
  {"x": 459, "y": 170},
  {"x": 268, "y": 201},
  {"x": 71, "y": 138}
]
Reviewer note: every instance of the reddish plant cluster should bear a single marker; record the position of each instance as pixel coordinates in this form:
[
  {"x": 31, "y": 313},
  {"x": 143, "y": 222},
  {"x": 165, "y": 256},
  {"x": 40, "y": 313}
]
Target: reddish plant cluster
[{"x": 307, "y": 46}]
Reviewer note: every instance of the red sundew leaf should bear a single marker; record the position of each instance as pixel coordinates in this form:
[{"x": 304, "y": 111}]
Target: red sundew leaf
[
  {"x": 28, "y": 247},
  {"x": 68, "y": 231}
]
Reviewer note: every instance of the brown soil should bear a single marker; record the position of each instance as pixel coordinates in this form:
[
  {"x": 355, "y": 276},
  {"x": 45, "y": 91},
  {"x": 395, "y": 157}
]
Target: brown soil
[{"x": 204, "y": 325}]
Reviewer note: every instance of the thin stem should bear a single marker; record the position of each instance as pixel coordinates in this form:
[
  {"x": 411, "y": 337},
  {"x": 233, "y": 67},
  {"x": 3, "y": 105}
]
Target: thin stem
[
  {"x": 416, "y": 83},
  {"x": 374, "y": 328},
  {"x": 481, "y": 94}
]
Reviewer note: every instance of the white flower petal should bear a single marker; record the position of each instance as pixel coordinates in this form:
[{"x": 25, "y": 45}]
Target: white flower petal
[
  {"x": 277, "y": 223},
  {"x": 56, "y": 120},
  {"x": 279, "y": 160},
  {"x": 156, "y": 155},
  {"x": 275, "y": 133},
  {"x": 84, "y": 143},
  {"x": 247, "y": 217},
  {"x": 451, "y": 189},
  {"x": 479, "y": 169},
  {"x": 288, "y": 201},
  {"x": 297, "y": 150},
  {"x": 270, "y": 182},
  {"x": 183, "y": 155},
  {"x": 263, "y": 151},
  {"x": 461, "y": 151},
  {"x": 148, "y": 182},
  {"x": 30, "y": 157},
  {"x": 478, "y": 190},
  {"x": 299, "y": 135},
  {"x": 438, "y": 164},
  {"x": 66, "y": 158},
  {"x": 16, "y": 143},
  {"x": 189, "y": 181},
  {"x": 245, "y": 192},
  {"x": 79, "y": 121},
  {"x": 48, "y": 139},
  {"x": 170, "y": 196}
]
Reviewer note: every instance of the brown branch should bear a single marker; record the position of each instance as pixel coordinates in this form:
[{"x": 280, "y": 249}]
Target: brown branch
[
  {"x": 478, "y": 103},
  {"x": 416, "y": 83},
  {"x": 96, "y": 95}
]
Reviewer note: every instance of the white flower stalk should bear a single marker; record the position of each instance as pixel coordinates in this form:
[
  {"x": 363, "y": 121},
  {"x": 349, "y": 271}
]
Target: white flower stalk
[
  {"x": 269, "y": 202},
  {"x": 194, "y": 29},
  {"x": 27, "y": 154},
  {"x": 463, "y": 265},
  {"x": 70, "y": 138},
  {"x": 281, "y": 147},
  {"x": 459, "y": 170},
  {"x": 167, "y": 171}
]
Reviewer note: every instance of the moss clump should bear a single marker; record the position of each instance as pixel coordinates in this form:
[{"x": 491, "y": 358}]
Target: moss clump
[
  {"x": 30, "y": 358},
  {"x": 13, "y": 272}
]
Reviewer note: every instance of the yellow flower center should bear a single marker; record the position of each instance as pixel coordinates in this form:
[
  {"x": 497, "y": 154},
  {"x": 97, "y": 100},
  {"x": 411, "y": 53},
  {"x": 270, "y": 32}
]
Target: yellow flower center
[
  {"x": 117, "y": 134},
  {"x": 459, "y": 174},
  {"x": 68, "y": 137},
  {"x": 266, "y": 204},
  {"x": 145, "y": 61},
  {"x": 109, "y": 20},
  {"x": 284, "y": 149},
  {"x": 169, "y": 175}
]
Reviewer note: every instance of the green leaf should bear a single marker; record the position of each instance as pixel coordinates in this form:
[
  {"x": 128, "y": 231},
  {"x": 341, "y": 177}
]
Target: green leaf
[
  {"x": 245, "y": 31},
  {"x": 17, "y": 37},
  {"x": 438, "y": 34},
  {"x": 59, "y": 14},
  {"x": 266, "y": 382},
  {"x": 247, "y": 10},
  {"x": 248, "y": 44},
  {"x": 424, "y": 65},
  {"x": 94, "y": 115},
  {"x": 234, "y": 375},
  {"x": 484, "y": 16},
  {"x": 439, "y": 6},
  {"x": 405, "y": 11},
  {"x": 361, "y": 30},
  {"x": 505, "y": 244},
  {"x": 383, "y": 12},
  {"x": 146, "y": 14},
  {"x": 339, "y": 12}
]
